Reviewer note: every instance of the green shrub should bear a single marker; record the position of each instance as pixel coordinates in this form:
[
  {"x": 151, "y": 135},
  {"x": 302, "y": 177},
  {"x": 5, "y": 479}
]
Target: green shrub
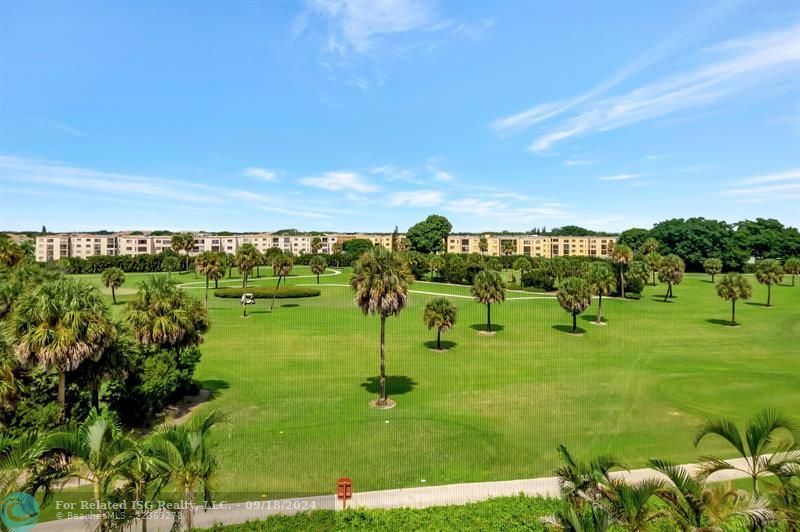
[{"x": 285, "y": 292}]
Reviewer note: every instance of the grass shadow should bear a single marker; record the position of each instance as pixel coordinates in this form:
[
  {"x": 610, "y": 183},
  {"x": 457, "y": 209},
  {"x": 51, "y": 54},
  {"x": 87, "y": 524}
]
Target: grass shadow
[
  {"x": 482, "y": 327},
  {"x": 395, "y": 384},
  {"x": 660, "y": 299},
  {"x": 289, "y": 305},
  {"x": 568, "y": 329},
  {"x": 446, "y": 344},
  {"x": 755, "y": 304},
  {"x": 715, "y": 321},
  {"x": 249, "y": 312},
  {"x": 590, "y": 317},
  {"x": 214, "y": 385}
]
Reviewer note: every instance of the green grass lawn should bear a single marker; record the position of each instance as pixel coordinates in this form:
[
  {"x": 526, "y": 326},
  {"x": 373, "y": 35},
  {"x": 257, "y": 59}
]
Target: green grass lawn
[{"x": 297, "y": 382}]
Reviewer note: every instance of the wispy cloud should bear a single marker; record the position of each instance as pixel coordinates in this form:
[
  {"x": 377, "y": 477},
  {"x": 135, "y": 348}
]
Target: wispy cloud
[
  {"x": 69, "y": 130},
  {"x": 777, "y": 186},
  {"x": 340, "y": 181},
  {"x": 577, "y": 162},
  {"x": 619, "y": 177},
  {"x": 787, "y": 175},
  {"x": 416, "y": 198},
  {"x": 260, "y": 173},
  {"x": 436, "y": 171},
  {"x": 393, "y": 173}
]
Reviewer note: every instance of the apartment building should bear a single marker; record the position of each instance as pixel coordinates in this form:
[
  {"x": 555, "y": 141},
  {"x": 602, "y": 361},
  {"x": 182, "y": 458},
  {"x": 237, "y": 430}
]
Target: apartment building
[
  {"x": 52, "y": 247},
  {"x": 532, "y": 245},
  {"x": 90, "y": 245}
]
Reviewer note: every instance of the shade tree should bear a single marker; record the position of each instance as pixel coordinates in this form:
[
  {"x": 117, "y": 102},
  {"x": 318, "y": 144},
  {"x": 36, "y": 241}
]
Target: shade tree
[
  {"x": 574, "y": 296},
  {"x": 712, "y": 267},
  {"x": 734, "y": 287},
  {"x": 769, "y": 272},
  {"x": 488, "y": 288},
  {"x": 671, "y": 273},
  {"x": 440, "y": 314}
]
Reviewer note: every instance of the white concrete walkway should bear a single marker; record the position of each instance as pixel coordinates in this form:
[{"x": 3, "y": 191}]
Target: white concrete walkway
[{"x": 421, "y": 497}]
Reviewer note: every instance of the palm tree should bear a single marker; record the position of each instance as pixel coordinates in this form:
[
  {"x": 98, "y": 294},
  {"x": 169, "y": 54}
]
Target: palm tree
[
  {"x": 281, "y": 267},
  {"x": 487, "y": 288},
  {"x": 570, "y": 519},
  {"x": 733, "y": 287},
  {"x": 113, "y": 278},
  {"x": 574, "y": 296},
  {"x": 170, "y": 264},
  {"x": 439, "y": 313},
  {"x": 759, "y": 440},
  {"x": 18, "y": 458},
  {"x": 671, "y": 272},
  {"x": 210, "y": 266},
  {"x": 784, "y": 497},
  {"x": 318, "y": 266},
  {"x": 190, "y": 460},
  {"x": 178, "y": 243},
  {"x": 142, "y": 476},
  {"x": 165, "y": 316},
  {"x": 96, "y": 448},
  {"x": 712, "y": 267},
  {"x": 380, "y": 280},
  {"x": 188, "y": 247},
  {"x": 630, "y": 503},
  {"x": 216, "y": 267},
  {"x": 769, "y": 272},
  {"x": 508, "y": 248},
  {"x": 621, "y": 255},
  {"x": 792, "y": 267},
  {"x": 579, "y": 482},
  {"x": 697, "y": 505},
  {"x": 316, "y": 244},
  {"x": 435, "y": 265},
  {"x": 601, "y": 282},
  {"x": 246, "y": 260},
  {"x": 11, "y": 253},
  {"x": 483, "y": 245},
  {"x": 653, "y": 262},
  {"x": 60, "y": 325},
  {"x": 650, "y": 245},
  {"x": 523, "y": 265},
  {"x": 113, "y": 364}
]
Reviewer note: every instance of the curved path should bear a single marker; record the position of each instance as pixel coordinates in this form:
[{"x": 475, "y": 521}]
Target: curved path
[{"x": 422, "y": 497}]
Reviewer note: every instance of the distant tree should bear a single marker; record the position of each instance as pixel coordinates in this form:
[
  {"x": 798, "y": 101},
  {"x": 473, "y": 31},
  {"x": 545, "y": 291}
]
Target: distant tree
[
  {"x": 574, "y": 296},
  {"x": 439, "y": 313},
  {"x": 523, "y": 265},
  {"x": 653, "y": 262},
  {"x": 792, "y": 267},
  {"x": 428, "y": 236},
  {"x": 637, "y": 276},
  {"x": 508, "y": 248},
  {"x": 695, "y": 239},
  {"x": 671, "y": 273},
  {"x": 380, "y": 280},
  {"x": 769, "y": 272},
  {"x": 483, "y": 245},
  {"x": 733, "y": 287},
  {"x": 113, "y": 278},
  {"x": 403, "y": 246},
  {"x": 316, "y": 244},
  {"x": 435, "y": 265},
  {"x": 650, "y": 245},
  {"x": 395, "y": 239},
  {"x": 357, "y": 246},
  {"x": 281, "y": 267},
  {"x": 621, "y": 255},
  {"x": 493, "y": 263},
  {"x": 44, "y": 230},
  {"x": 487, "y": 288},
  {"x": 176, "y": 242},
  {"x": 712, "y": 267},
  {"x": 767, "y": 238},
  {"x": 11, "y": 253},
  {"x": 246, "y": 259},
  {"x": 209, "y": 265},
  {"x": 317, "y": 265},
  {"x": 601, "y": 283},
  {"x": 571, "y": 230},
  {"x": 170, "y": 264},
  {"x": 216, "y": 267},
  {"x": 634, "y": 238}
]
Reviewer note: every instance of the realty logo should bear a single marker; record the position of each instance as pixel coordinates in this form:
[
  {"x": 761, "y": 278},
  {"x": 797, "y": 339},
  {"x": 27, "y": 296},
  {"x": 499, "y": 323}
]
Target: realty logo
[{"x": 19, "y": 511}]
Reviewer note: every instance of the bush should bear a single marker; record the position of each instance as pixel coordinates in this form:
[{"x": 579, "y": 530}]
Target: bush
[
  {"x": 540, "y": 278},
  {"x": 286, "y": 292}
]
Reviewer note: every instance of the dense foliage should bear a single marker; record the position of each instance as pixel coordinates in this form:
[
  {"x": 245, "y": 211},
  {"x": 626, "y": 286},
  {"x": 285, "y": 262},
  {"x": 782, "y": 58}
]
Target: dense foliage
[
  {"x": 284, "y": 292},
  {"x": 138, "y": 263},
  {"x": 428, "y": 236}
]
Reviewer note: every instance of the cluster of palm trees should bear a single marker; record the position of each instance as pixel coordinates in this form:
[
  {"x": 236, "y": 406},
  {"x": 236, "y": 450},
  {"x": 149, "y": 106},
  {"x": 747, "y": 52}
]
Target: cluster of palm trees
[
  {"x": 168, "y": 468},
  {"x": 183, "y": 242},
  {"x": 678, "y": 498}
]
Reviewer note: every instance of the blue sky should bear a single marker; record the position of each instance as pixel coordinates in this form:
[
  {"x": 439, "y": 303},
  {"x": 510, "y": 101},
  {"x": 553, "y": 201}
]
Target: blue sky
[{"x": 337, "y": 115}]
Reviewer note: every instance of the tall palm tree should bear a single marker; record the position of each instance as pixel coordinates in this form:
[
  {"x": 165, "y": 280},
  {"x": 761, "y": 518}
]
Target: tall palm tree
[
  {"x": 508, "y": 248},
  {"x": 653, "y": 262},
  {"x": 761, "y": 437},
  {"x": 483, "y": 245},
  {"x": 113, "y": 278},
  {"x": 317, "y": 265},
  {"x": 574, "y": 296},
  {"x": 671, "y": 272},
  {"x": 733, "y": 287},
  {"x": 601, "y": 282},
  {"x": 165, "y": 316},
  {"x": 697, "y": 505},
  {"x": 712, "y": 267},
  {"x": 60, "y": 325},
  {"x": 169, "y": 264},
  {"x": 96, "y": 449},
  {"x": 435, "y": 265},
  {"x": 216, "y": 267},
  {"x": 769, "y": 272},
  {"x": 142, "y": 477},
  {"x": 209, "y": 265},
  {"x": 439, "y": 313},
  {"x": 177, "y": 243},
  {"x": 316, "y": 244},
  {"x": 380, "y": 281},
  {"x": 246, "y": 259},
  {"x": 281, "y": 267},
  {"x": 621, "y": 255},
  {"x": 188, "y": 247},
  {"x": 487, "y": 288},
  {"x": 792, "y": 267},
  {"x": 190, "y": 460}
]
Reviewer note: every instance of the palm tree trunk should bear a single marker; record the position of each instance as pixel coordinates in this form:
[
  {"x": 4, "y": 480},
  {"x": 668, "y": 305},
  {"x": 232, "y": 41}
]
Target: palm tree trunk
[
  {"x": 712, "y": 277},
  {"x": 769, "y": 295},
  {"x": 574, "y": 323},
  {"x": 654, "y": 277},
  {"x": 733, "y": 312},
  {"x": 600, "y": 308},
  {"x": 666, "y": 294},
  {"x": 488, "y": 317},
  {"x": 206, "y": 292},
  {"x": 275, "y": 293},
  {"x": 258, "y": 270},
  {"x": 317, "y": 278},
  {"x": 382, "y": 400},
  {"x": 62, "y": 387},
  {"x": 439, "y": 338},
  {"x": 113, "y": 294},
  {"x": 622, "y": 280}
]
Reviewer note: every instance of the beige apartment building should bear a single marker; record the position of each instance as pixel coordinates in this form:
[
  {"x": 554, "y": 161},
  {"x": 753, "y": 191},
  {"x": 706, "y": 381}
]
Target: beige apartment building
[
  {"x": 52, "y": 247},
  {"x": 532, "y": 245}
]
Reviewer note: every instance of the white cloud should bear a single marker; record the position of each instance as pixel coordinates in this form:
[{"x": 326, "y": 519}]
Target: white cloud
[
  {"x": 337, "y": 181},
  {"x": 417, "y": 198},
  {"x": 577, "y": 162},
  {"x": 787, "y": 175},
  {"x": 71, "y": 130},
  {"x": 260, "y": 173},
  {"x": 619, "y": 177},
  {"x": 436, "y": 172},
  {"x": 777, "y": 186},
  {"x": 393, "y": 173}
]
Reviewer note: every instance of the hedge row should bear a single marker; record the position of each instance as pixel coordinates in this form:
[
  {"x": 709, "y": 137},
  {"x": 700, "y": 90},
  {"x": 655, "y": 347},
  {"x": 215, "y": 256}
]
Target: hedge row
[{"x": 286, "y": 292}]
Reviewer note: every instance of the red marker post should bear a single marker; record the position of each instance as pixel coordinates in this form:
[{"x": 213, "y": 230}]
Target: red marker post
[{"x": 344, "y": 490}]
